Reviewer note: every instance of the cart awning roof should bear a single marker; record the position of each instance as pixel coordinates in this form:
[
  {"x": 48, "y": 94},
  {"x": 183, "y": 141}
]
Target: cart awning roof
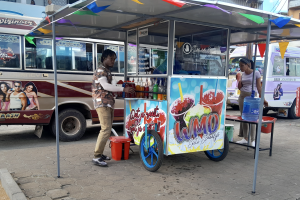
[{"x": 122, "y": 15}]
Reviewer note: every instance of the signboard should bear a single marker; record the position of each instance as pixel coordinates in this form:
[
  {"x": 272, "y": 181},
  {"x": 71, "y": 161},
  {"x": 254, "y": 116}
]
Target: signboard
[
  {"x": 17, "y": 23},
  {"x": 143, "y": 32},
  {"x": 139, "y": 112},
  {"x": 194, "y": 125}
]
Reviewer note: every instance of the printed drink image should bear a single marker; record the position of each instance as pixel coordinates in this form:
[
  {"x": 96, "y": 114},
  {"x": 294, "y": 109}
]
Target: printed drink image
[
  {"x": 215, "y": 103},
  {"x": 196, "y": 111},
  {"x": 162, "y": 119},
  {"x": 179, "y": 108}
]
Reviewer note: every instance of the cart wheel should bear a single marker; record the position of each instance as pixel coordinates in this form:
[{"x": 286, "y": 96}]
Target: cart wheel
[
  {"x": 219, "y": 154},
  {"x": 153, "y": 156}
]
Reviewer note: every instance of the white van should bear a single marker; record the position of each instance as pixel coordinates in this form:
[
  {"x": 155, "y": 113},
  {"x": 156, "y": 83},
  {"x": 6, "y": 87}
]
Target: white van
[{"x": 282, "y": 79}]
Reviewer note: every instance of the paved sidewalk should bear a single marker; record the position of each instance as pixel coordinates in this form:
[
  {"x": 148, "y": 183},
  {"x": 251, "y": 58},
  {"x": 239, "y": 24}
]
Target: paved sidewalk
[{"x": 187, "y": 176}]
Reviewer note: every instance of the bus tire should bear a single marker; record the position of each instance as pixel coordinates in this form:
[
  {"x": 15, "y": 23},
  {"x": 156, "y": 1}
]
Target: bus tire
[
  {"x": 292, "y": 111},
  {"x": 72, "y": 125}
]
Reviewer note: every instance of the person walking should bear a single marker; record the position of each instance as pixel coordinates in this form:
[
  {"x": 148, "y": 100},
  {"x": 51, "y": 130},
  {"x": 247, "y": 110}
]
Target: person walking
[
  {"x": 103, "y": 99},
  {"x": 245, "y": 86}
]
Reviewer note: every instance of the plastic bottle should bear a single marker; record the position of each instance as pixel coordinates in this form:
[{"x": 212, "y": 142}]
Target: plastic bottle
[
  {"x": 251, "y": 108},
  {"x": 165, "y": 89},
  {"x": 137, "y": 88},
  {"x": 161, "y": 90},
  {"x": 123, "y": 94},
  {"x": 151, "y": 89},
  {"x": 155, "y": 89},
  {"x": 142, "y": 95},
  {"x": 146, "y": 89},
  {"x": 133, "y": 86}
]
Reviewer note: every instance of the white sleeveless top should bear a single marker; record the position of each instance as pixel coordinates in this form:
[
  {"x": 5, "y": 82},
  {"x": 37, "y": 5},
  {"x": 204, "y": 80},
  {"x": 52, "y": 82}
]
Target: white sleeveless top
[{"x": 15, "y": 101}]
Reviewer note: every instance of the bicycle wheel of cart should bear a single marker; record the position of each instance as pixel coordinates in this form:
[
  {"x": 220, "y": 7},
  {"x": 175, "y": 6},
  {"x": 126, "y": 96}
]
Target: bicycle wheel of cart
[
  {"x": 151, "y": 156},
  {"x": 219, "y": 154}
]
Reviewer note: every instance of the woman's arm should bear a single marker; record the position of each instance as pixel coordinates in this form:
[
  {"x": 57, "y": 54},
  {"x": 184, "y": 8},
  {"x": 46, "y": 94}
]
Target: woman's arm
[
  {"x": 36, "y": 100},
  {"x": 258, "y": 85},
  {"x": 240, "y": 85}
]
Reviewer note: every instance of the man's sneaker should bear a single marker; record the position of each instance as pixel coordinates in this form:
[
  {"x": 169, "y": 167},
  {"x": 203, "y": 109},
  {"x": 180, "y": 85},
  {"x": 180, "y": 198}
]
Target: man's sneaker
[
  {"x": 100, "y": 162},
  {"x": 104, "y": 157},
  {"x": 253, "y": 143},
  {"x": 243, "y": 141}
]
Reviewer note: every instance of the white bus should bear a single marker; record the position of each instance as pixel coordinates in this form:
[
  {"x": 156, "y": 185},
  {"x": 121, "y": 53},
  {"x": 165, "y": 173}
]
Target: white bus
[{"x": 282, "y": 79}]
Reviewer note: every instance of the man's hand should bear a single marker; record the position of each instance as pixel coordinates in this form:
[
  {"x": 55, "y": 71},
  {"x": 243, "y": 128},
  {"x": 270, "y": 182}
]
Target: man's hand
[{"x": 129, "y": 90}]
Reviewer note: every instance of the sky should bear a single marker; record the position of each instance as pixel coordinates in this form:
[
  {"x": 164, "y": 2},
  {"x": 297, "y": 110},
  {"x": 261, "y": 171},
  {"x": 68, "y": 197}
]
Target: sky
[{"x": 270, "y": 5}]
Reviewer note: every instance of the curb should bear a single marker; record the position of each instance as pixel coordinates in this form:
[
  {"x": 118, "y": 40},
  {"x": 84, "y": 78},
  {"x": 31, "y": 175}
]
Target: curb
[{"x": 10, "y": 186}]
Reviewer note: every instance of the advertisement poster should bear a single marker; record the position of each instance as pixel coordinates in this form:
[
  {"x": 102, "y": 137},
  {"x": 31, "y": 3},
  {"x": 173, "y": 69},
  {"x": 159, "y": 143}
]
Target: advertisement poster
[
  {"x": 139, "y": 112},
  {"x": 196, "y": 124},
  {"x": 9, "y": 51}
]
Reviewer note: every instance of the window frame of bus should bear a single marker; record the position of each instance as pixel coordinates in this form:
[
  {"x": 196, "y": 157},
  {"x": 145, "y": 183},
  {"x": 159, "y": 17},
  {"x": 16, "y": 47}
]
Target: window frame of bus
[
  {"x": 226, "y": 56},
  {"x": 290, "y": 66},
  {"x": 118, "y": 57},
  {"x": 131, "y": 74},
  {"x": 59, "y": 70},
  {"x": 21, "y": 53}
]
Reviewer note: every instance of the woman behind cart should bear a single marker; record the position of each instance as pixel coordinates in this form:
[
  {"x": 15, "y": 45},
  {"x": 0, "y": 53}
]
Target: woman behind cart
[{"x": 245, "y": 86}]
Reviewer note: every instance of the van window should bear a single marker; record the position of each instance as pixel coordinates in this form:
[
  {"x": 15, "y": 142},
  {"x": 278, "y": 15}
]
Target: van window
[
  {"x": 293, "y": 65},
  {"x": 70, "y": 55},
  {"x": 9, "y": 51},
  {"x": 278, "y": 66}
]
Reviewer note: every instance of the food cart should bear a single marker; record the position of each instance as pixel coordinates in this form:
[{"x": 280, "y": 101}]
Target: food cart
[{"x": 197, "y": 35}]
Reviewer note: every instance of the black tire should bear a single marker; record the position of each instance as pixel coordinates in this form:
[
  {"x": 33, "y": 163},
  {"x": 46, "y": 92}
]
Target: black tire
[
  {"x": 235, "y": 107},
  {"x": 159, "y": 148},
  {"x": 223, "y": 155},
  {"x": 292, "y": 111},
  {"x": 72, "y": 125}
]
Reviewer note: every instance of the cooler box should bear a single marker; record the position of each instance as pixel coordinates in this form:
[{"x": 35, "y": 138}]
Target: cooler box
[{"x": 120, "y": 146}]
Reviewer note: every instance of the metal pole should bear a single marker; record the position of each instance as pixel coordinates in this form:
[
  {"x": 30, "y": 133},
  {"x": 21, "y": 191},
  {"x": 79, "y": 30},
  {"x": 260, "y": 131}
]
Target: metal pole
[
  {"x": 171, "y": 45},
  {"x": 56, "y": 95},
  {"x": 261, "y": 104},
  {"x": 227, "y": 53},
  {"x": 254, "y": 67},
  {"x": 125, "y": 76}
]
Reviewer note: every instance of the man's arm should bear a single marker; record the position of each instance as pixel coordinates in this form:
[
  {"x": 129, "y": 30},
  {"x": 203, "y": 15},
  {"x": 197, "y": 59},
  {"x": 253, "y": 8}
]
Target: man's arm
[
  {"x": 23, "y": 100},
  {"x": 109, "y": 87}
]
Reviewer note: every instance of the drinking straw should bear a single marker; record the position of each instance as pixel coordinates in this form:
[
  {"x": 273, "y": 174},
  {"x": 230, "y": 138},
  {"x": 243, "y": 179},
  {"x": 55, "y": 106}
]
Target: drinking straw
[
  {"x": 145, "y": 105},
  {"x": 216, "y": 87},
  {"x": 201, "y": 94},
  {"x": 129, "y": 105},
  {"x": 180, "y": 91}
]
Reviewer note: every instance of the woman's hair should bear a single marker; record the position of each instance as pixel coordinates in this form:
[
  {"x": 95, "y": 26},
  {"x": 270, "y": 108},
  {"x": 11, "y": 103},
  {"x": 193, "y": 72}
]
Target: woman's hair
[
  {"x": 34, "y": 89},
  {"x": 107, "y": 53},
  {"x": 6, "y": 84},
  {"x": 247, "y": 62}
]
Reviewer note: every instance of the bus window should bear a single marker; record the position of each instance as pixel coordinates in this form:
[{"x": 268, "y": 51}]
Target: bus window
[
  {"x": 291, "y": 66},
  {"x": 278, "y": 66},
  {"x": 70, "y": 55},
  {"x": 9, "y": 51},
  {"x": 74, "y": 55}
]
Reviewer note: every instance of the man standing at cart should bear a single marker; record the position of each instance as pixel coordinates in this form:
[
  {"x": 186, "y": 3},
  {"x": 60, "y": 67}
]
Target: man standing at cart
[{"x": 102, "y": 93}]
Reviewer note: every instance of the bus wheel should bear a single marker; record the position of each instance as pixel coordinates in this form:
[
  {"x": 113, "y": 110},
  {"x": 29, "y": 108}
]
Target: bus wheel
[
  {"x": 292, "y": 111},
  {"x": 72, "y": 125}
]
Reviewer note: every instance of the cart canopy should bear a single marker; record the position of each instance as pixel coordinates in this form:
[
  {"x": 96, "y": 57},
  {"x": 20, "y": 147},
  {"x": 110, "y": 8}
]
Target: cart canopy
[{"x": 122, "y": 15}]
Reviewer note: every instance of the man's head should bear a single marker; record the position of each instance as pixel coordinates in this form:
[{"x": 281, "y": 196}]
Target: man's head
[
  {"x": 108, "y": 58},
  {"x": 17, "y": 86}
]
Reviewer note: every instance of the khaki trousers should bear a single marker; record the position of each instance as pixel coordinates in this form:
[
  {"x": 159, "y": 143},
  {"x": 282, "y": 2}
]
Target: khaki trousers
[
  {"x": 106, "y": 116},
  {"x": 244, "y": 127}
]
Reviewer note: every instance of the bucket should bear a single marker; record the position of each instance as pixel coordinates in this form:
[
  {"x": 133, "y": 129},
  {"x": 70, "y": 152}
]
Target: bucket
[
  {"x": 267, "y": 128},
  {"x": 120, "y": 146},
  {"x": 229, "y": 130}
]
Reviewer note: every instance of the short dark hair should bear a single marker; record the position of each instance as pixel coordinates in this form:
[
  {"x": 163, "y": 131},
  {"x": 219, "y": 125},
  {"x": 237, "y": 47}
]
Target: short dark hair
[
  {"x": 18, "y": 82},
  {"x": 107, "y": 53}
]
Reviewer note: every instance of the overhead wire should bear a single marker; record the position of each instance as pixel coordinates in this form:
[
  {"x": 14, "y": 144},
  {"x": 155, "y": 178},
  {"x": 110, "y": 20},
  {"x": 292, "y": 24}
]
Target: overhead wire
[
  {"x": 282, "y": 6},
  {"x": 276, "y": 5}
]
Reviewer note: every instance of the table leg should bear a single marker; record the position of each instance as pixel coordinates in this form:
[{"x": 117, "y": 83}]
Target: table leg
[
  {"x": 255, "y": 139},
  {"x": 271, "y": 142},
  {"x": 249, "y": 136}
]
